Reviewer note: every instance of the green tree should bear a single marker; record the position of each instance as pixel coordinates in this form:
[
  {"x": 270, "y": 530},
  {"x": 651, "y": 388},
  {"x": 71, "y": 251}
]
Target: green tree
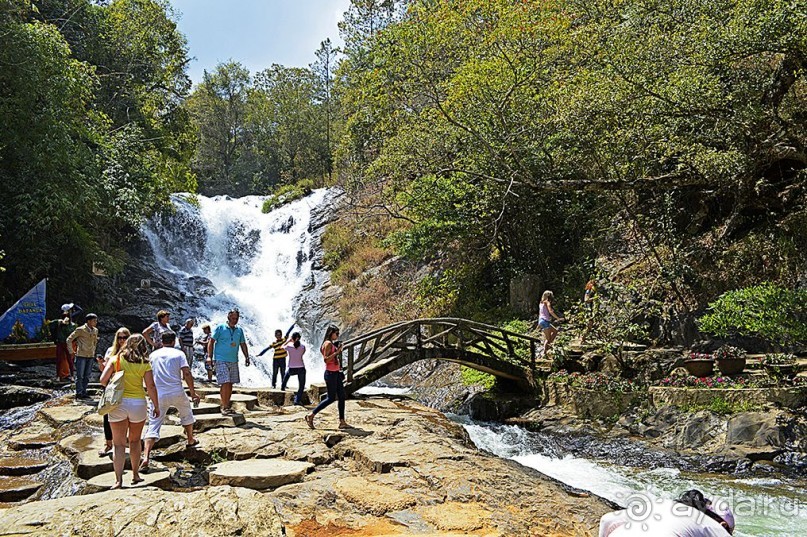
[
  {"x": 219, "y": 109},
  {"x": 289, "y": 124}
]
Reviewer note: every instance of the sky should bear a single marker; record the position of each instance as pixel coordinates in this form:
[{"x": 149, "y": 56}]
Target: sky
[{"x": 256, "y": 33}]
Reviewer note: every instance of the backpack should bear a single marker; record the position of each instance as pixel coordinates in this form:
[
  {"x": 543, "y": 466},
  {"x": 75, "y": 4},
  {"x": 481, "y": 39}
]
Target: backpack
[{"x": 113, "y": 393}]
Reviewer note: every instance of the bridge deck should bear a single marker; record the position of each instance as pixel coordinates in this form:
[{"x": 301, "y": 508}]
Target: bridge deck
[{"x": 483, "y": 347}]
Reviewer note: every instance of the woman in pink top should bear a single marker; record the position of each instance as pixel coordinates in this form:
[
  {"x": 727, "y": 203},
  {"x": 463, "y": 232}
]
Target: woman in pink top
[
  {"x": 295, "y": 350},
  {"x": 334, "y": 379}
]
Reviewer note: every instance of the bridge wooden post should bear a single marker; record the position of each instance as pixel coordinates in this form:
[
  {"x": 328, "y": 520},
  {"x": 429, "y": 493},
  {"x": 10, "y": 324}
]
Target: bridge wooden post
[{"x": 350, "y": 364}]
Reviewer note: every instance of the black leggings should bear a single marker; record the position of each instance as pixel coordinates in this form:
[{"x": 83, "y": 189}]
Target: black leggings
[
  {"x": 107, "y": 429},
  {"x": 278, "y": 366},
  {"x": 336, "y": 392}
]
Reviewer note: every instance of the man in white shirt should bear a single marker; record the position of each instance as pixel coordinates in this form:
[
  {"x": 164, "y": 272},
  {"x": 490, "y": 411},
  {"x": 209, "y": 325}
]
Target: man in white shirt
[{"x": 169, "y": 366}]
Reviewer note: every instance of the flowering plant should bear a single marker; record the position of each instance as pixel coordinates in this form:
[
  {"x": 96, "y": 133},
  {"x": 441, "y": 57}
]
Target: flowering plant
[
  {"x": 778, "y": 359},
  {"x": 727, "y": 352},
  {"x": 707, "y": 382},
  {"x": 700, "y": 356}
]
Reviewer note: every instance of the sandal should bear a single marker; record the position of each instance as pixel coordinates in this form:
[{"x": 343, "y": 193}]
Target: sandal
[
  {"x": 103, "y": 452},
  {"x": 309, "y": 419},
  {"x": 345, "y": 426},
  {"x": 195, "y": 443},
  {"x": 137, "y": 480},
  {"x": 116, "y": 486},
  {"x": 144, "y": 466}
]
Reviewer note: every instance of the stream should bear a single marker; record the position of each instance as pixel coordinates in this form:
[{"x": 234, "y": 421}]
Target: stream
[{"x": 763, "y": 507}]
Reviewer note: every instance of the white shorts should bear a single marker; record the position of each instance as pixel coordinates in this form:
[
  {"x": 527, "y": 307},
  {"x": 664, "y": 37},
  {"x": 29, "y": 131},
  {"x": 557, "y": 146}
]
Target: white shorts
[
  {"x": 131, "y": 408},
  {"x": 179, "y": 401}
]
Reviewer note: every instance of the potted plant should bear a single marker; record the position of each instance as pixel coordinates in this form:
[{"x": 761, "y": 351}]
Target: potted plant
[
  {"x": 730, "y": 360},
  {"x": 779, "y": 365},
  {"x": 699, "y": 364}
]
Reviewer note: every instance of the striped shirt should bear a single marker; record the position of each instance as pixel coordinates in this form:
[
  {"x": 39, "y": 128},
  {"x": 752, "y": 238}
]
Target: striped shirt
[
  {"x": 280, "y": 352},
  {"x": 186, "y": 337}
]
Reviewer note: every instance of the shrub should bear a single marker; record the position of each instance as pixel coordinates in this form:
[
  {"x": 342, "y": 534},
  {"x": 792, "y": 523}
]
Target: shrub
[
  {"x": 773, "y": 313},
  {"x": 288, "y": 193},
  {"x": 472, "y": 377},
  {"x": 778, "y": 359}
]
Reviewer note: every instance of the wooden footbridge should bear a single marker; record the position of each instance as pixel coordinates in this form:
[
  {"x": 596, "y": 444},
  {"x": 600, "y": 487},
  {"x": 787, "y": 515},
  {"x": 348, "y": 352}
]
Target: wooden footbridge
[{"x": 479, "y": 346}]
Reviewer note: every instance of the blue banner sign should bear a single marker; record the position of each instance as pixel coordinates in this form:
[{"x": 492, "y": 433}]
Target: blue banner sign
[{"x": 23, "y": 321}]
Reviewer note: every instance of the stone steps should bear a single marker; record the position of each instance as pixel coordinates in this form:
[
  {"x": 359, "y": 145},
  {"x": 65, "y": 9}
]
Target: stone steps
[
  {"x": 23, "y": 443},
  {"x": 204, "y": 407},
  {"x": 259, "y": 474},
  {"x": 271, "y": 396},
  {"x": 15, "y": 489},
  {"x": 211, "y": 421},
  {"x": 155, "y": 478},
  {"x": 18, "y": 466},
  {"x": 238, "y": 401}
]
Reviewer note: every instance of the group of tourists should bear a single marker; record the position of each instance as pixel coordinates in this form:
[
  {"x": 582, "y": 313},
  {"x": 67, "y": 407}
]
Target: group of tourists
[{"x": 157, "y": 361}]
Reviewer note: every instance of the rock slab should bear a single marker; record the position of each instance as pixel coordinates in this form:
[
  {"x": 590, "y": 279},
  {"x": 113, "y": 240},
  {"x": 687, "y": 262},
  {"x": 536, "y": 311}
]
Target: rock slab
[
  {"x": 259, "y": 474},
  {"x": 220, "y": 511},
  {"x": 62, "y": 415},
  {"x": 206, "y": 422},
  {"x": 238, "y": 401}
]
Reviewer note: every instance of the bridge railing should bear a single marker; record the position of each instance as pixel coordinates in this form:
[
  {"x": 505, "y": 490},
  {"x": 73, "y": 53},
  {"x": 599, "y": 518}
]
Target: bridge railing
[{"x": 439, "y": 333}]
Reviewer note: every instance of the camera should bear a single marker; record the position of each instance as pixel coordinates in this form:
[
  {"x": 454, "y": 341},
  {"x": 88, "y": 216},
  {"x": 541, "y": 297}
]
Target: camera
[{"x": 337, "y": 343}]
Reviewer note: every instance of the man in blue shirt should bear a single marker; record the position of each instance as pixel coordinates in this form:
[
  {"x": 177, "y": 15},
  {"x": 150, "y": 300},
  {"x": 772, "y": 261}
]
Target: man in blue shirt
[{"x": 223, "y": 347}]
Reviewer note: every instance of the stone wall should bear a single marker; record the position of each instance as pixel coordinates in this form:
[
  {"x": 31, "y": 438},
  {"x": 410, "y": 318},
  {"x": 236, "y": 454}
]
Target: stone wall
[
  {"x": 589, "y": 403},
  {"x": 689, "y": 397}
]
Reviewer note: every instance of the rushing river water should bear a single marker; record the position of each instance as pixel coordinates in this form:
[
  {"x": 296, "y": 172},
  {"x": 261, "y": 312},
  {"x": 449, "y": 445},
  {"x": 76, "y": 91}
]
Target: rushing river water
[
  {"x": 763, "y": 507},
  {"x": 258, "y": 262}
]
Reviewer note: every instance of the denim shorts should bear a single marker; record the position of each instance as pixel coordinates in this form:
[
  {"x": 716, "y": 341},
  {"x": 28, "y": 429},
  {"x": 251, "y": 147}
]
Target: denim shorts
[{"x": 544, "y": 324}]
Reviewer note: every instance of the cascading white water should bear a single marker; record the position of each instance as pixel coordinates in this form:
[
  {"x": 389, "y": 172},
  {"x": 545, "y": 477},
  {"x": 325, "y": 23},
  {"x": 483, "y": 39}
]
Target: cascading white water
[
  {"x": 257, "y": 262},
  {"x": 762, "y": 507}
]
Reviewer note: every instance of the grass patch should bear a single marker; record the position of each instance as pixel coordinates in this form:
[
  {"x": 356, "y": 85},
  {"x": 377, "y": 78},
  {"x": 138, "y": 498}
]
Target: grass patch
[
  {"x": 720, "y": 406},
  {"x": 472, "y": 377}
]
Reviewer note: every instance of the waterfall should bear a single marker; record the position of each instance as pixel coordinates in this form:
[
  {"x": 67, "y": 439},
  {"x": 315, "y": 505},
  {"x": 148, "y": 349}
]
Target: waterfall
[{"x": 259, "y": 263}]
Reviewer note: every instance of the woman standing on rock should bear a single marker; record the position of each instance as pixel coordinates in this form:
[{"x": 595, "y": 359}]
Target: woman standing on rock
[
  {"x": 127, "y": 420},
  {"x": 154, "y": 332},
  {"x": 545, "y": 316},
  {"x": 121, "y": 336},
  {"x": 334, "y": 378},
  {"x": 295, "y": 351}
]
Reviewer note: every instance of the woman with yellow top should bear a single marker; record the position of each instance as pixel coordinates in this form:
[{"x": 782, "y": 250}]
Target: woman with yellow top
[{"x": 128, "y": 419}]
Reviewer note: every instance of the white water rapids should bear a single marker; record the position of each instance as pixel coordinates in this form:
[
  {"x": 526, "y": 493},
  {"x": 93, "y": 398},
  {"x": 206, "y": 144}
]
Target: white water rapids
[
  {"x": 257, "y": 262},
  {"x": 762, "y": 507}
]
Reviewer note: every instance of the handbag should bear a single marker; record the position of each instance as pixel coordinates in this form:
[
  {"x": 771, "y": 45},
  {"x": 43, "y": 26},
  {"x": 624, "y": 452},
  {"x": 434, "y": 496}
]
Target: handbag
[{"x": 113, "y": 393}]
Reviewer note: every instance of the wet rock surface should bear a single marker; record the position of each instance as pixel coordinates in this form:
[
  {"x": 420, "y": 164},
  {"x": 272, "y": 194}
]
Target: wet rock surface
[{"x": 15, "y": 396}]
